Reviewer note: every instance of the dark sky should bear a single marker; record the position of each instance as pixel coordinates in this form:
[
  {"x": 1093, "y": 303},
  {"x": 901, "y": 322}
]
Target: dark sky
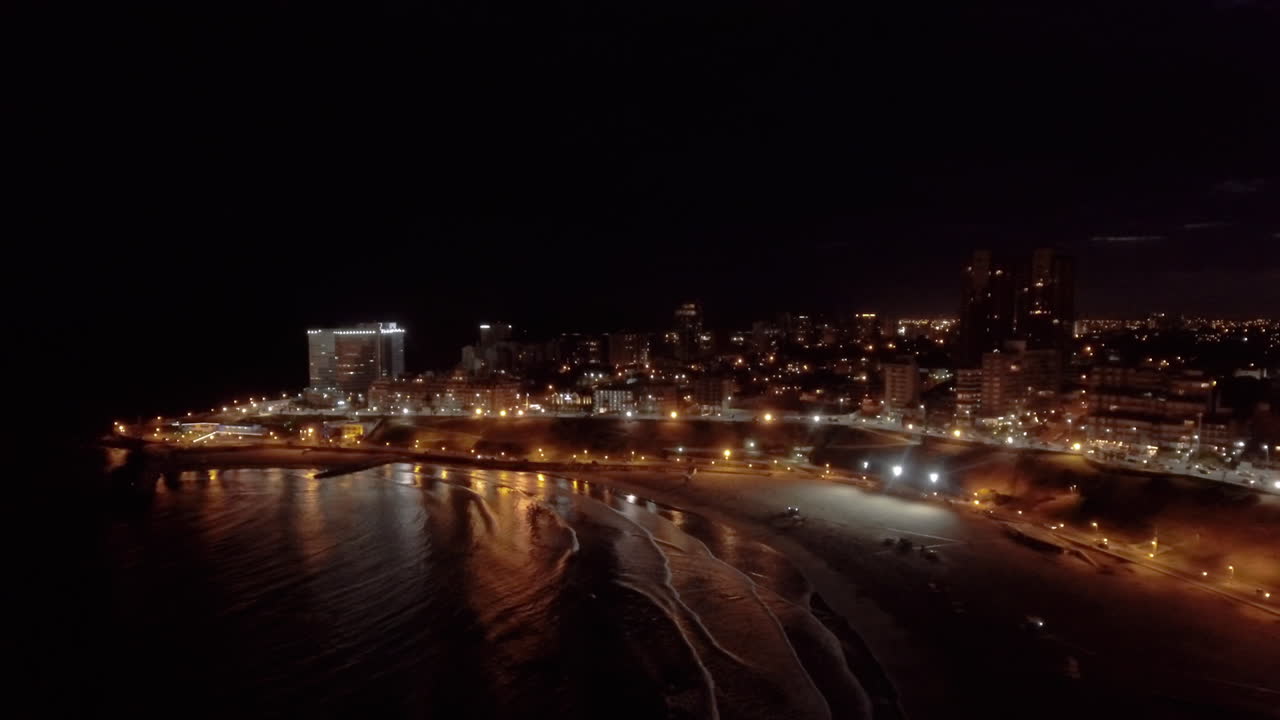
[{"x": 207, "y": 179}]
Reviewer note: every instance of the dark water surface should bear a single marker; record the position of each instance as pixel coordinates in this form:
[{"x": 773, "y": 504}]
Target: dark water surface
[{"x": 420, "y": 591}]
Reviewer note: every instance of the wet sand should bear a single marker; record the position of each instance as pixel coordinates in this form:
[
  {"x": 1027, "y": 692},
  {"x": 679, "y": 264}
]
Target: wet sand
[{"x": 1117, "y": 638}]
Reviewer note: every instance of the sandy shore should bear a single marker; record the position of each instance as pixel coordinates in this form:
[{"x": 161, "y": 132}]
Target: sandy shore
[{"x": 948, "y": 632}]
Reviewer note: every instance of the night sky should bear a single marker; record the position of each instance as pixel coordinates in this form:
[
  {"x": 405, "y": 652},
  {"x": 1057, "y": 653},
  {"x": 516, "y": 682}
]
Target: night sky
[{"x": 207, "y": 180}]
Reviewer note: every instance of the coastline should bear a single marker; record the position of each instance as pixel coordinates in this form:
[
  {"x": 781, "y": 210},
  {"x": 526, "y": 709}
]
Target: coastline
[{"x": 936, "y": 638}]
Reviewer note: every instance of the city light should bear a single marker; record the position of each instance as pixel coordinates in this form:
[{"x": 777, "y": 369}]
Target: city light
[
  {"x": 673, "y": 414},
  {"x": 726, "y": 454},
  {"x": 897, "y": 470},
  {"x": 933, "y": 477},
  {"x": 768, "y": 417},
  {"x": 956, "y": 432}
]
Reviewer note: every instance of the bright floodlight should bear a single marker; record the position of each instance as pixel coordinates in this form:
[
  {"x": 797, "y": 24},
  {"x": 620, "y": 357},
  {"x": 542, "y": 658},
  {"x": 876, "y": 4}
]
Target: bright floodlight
[
  {"x": 933, "y": 477},
  {"x": 897, "y": 470}
]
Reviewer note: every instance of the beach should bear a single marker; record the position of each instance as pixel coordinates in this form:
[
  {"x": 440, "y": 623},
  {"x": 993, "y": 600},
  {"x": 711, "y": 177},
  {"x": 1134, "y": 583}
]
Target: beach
[
  {"x": 950, "y": 633},
  {"x": 950, "y": 622}
]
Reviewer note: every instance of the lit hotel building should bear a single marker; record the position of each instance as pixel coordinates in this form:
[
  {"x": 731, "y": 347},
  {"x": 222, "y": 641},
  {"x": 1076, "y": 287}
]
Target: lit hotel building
[{"x": 349, "y": 360}]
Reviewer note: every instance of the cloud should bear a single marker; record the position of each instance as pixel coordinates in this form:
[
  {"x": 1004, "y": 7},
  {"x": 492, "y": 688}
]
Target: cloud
[
  {"x": 1237, "y": 187},
  {"x": 1126, "y": 239}
]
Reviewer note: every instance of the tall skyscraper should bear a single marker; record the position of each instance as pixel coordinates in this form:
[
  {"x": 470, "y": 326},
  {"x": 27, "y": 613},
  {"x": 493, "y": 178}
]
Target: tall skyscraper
[
  {"x": 1028, "y": 298},
  {"x": 986, "y": 307},
  {"x": 1046, "y": 307},
  {"x": 350, "y": 359},
  {"x": 493, "y": 333},
  {"x": 864, "y": 328},
  {"x": 688, "y": 328}
]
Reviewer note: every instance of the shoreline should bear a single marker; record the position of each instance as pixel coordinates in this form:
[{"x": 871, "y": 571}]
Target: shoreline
[
  {"x": 827, "y": 590},
  {"x": 866, "y": 634},
  {"x": 921, "y": 623}
]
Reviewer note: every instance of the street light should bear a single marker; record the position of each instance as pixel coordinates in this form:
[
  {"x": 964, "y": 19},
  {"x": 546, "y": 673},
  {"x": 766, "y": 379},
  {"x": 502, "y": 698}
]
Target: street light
[
  {"x": 768, "y": 417},
  {"x": 726, "y": 453},
  {"x": 897, "y": 470},
  {"x": 933, "y": 477}
]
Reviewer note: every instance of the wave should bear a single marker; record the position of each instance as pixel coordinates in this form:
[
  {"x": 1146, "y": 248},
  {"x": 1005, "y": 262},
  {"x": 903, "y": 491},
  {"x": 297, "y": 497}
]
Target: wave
[{"x": 738, "y": 633}]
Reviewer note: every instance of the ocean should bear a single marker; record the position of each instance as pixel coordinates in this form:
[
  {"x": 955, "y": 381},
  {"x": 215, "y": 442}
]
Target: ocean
[{"x": 426, "y": 591}]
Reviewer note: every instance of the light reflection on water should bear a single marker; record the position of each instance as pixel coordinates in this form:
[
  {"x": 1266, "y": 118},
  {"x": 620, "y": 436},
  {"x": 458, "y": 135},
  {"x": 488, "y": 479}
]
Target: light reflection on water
[{"x": 438, "y": 586}]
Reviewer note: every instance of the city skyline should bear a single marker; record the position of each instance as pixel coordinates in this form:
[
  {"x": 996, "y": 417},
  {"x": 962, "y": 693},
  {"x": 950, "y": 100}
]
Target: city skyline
[{"x": 665, "y": 360}]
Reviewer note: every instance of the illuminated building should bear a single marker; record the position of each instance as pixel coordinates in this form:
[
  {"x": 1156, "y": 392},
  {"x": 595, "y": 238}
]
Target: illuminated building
[
  {"x": 1014, "y": 379},
  {"x": 1030, "y": 299},
  {"x": 350, "y": 359},
  {"x": 712, "y": 393},
  {"x": 1045, "y": 306},
  {"x": 493, "y": 333},
  {"x": 1146, "y": 407},
  {"x": 626, "y": 349},
  {"x": 445, "y": 394},
  {"x": 901, "y": 383},
  {"x": 986, "y": 307},
  {"x": 576, "y": 349},
  {"x": 968, "y": 392},
  {"x": 864, "y": 328},
  {"x": 690, "y": 340},
  {"x": 616, "y": 398}
]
